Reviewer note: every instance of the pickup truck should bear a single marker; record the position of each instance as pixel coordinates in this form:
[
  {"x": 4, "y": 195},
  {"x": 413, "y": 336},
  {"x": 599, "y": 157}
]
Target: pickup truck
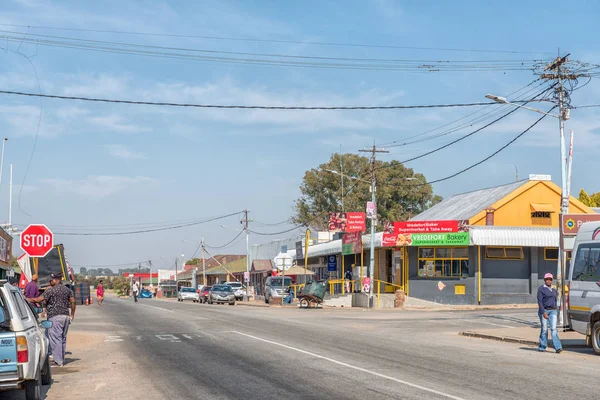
[{"x": 24, "y": 361}]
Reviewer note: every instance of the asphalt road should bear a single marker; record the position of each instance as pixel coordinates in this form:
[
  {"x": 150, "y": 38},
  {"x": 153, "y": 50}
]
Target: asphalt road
[{"x": 197, "y": 351}]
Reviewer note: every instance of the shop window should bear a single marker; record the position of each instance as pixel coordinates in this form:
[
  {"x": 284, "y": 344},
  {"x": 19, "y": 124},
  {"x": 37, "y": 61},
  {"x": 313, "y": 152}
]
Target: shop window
[
  {"x": 541, "y": 218},
  {"x": 443, "y": 262},
  {"x": 550, "y": 253},
  {"x": 504, "y": 253}
]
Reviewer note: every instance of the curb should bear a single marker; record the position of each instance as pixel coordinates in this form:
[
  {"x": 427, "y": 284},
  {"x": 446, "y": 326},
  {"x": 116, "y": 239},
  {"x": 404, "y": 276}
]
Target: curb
[{"x": 509, "y": 339}]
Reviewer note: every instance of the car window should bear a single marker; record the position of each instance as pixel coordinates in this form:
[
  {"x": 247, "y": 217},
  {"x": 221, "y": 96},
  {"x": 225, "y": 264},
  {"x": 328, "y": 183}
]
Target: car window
[
  {"x": 21, "y": 306},
  {"x": 587, "y": 263},
  {"x": 188, "y": 290}
]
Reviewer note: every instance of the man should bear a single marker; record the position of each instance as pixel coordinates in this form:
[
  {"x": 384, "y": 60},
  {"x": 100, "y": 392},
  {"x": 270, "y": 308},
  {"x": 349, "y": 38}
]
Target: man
[
  {"x": 31, "y": 289},
  {"x": 136, "y": 290},
  {"x": 548, "y": 313},
  {"x": 60, "y": 307},
  {"x": 348, "y": 278}
]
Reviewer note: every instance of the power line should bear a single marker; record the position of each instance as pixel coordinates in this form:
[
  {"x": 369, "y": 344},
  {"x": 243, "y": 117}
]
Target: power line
[
  {"x": 108, "y": 265},
  {"x": 145, "y": 230},
  {"x": 382, "y": 46},
  {"x": 226, "y": 244},
  {"x": 195, "y": 105}
]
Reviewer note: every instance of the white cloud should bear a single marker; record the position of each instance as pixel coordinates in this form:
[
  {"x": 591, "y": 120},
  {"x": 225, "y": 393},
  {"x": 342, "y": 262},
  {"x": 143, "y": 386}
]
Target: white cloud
[
  {"x": 97, "y": 187},
  {"x": 116, "y": 123},
  {"x": 123, "y": 152}
]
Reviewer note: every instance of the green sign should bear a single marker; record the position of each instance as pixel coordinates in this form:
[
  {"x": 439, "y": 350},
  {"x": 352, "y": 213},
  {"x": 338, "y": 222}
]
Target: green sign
[{"x": 440, "y": 239}]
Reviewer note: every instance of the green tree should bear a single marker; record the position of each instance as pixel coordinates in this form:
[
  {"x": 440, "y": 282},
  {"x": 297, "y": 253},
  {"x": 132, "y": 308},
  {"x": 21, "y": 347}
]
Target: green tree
[
  {"x": 400, "y": 192},
  {"x": 121, "y": 285},
  {"x": 590, "y": 201},
  {"x": 193, "y": 261}
]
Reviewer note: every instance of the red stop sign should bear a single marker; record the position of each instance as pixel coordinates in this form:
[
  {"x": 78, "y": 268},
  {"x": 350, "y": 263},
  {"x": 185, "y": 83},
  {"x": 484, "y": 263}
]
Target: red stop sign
[{"x": 37, "y": 240}]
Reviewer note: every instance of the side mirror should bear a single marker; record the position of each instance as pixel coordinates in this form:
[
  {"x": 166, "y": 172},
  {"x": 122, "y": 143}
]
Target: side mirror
[
  {"x": 39, "y": 310},
  {"x": 2, "y": 317},
  {"x": 46, "y": 324}
]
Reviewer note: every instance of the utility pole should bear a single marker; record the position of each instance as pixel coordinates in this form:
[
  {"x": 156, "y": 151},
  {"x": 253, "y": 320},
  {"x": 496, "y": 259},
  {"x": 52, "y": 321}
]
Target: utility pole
[
  {"x": 176, "y": 283},
  {"x": 555, "y": 72},
  {"x": 203, "y": 264},
  {"x": 2, "y": 158},
  {"x": 373, "y": 152},
  {"x": 245, "y": 221},
  {"x": 342, "y": 175}
]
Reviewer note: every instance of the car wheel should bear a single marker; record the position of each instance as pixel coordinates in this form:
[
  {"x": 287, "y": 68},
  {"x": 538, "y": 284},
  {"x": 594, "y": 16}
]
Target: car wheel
[
  {"x": 46, "y": 372},
  {"x": 266, "y": 300},
  {"x": 596, "y": 337},
  {"x": 33, "y": 388},
  {"x": 232, "y": 303}
]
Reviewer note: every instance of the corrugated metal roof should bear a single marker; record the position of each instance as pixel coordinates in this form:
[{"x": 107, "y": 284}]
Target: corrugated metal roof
[
  {"x": 335, "y": 246},
  {"x": 467, "y": 205},
  {"x": 233, "y": 267},
  {"x": 262, "y": 265},
  {"x": 514, "y": 236}
]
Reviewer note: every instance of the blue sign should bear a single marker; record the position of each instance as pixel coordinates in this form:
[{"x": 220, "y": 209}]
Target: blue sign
[
  {"x": 331, "y": 263},
  {"x": 284, "y": 248}
]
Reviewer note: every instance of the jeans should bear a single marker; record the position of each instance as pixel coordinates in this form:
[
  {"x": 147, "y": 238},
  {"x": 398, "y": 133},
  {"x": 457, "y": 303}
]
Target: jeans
[
  {"x": 58, "y": 337},
  {"x": 552, "y": 318},
  {"x": 135, "y": 296},
  {"x": 288, "y": 299}
]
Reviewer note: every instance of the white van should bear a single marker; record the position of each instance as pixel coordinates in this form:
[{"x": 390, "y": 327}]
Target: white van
[{"x": 583, "y": 299}]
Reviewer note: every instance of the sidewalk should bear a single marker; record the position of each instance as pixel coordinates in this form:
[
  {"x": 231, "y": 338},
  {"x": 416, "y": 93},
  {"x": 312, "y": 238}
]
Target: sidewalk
[{"x": 526, "y": 335}]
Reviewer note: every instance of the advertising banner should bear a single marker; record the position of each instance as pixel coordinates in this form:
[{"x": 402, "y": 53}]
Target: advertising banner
[
  {"x": 347, "y": 222},
  {"x": 371, "y": 210},
  {"x": 438, "y": 239},
  {"x": 299, "y": 255},
  {"x": 431, "y": 226},
  {"x": 352, "y": 243},
  {"x": 572, "y": 222}
]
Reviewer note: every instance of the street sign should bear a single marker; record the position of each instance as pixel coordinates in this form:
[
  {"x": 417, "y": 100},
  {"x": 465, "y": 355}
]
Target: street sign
[
  {"x": 299, "y": 255},
  {"x": 246, "y": 276},
  {"x": 572, "y": 222},
  {"x": 37, "y": 240},
  {"x": 331, "y": 263}
]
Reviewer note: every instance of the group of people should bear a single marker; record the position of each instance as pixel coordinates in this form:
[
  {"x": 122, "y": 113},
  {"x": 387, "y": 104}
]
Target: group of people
[{"x": 58, "y": 303}]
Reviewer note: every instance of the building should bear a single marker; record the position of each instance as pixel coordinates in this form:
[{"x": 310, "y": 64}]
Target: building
[
  {"x": 6, "y": 255},
  {"x": 511, "y": 239}
]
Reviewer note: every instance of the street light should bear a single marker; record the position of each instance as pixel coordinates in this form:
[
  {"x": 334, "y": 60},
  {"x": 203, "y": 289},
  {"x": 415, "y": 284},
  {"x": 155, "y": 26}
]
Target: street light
[{"x": 563, "y": 115}]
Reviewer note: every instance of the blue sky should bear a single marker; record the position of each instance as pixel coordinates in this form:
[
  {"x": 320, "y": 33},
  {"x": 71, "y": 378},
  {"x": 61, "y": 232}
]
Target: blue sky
[{"x": 119, "y": 165}]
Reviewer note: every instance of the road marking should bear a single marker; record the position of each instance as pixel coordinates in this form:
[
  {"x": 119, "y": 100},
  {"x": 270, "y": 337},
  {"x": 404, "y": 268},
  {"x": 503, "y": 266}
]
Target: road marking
[
  {"x": 185, "y": 335},
  {"x": 158, "y": 308},
  {"x": 113, "y": 339},
  {"x": 391, "y": 378},
  {"x": 138, "y": 338},
  {"x": 169, "y": 337}
]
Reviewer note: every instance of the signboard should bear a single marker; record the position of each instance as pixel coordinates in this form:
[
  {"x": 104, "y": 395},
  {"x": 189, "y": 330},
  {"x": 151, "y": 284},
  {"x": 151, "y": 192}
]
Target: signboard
[
  {"x": 347, "y": 222},
  {"x": 431, "y": 226},
  {"x": 36, "y": 240},
  {"x": 540, "y": 177},
  {"x": 5, "y": 247},
  {"x": 438, "y": 239},
  {"x": 331, "y": 263},
  {"x": 299, "y": 254},
  {"x": 284, "y": 248},
  {"x": 246, "y": 276},
  {"x": 352, "y": 243},
  {"x": 572, "y": 222},
  {"x": 371, "y": 210}
]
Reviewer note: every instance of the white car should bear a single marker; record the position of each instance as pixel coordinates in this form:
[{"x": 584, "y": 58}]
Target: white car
[
  {"x": 24, "y": 361},
  {"x": 238, "y": 289},
  {"x": 188, "y": 293}
]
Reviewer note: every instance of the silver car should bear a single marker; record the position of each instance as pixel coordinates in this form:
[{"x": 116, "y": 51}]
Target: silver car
[
  {"x": 188, "y": 293},
  {"x": 221, "y": 294}
]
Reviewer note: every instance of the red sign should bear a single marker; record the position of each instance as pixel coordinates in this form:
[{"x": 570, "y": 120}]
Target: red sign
[
  {"x": 37, "y": 240},
  {"x": 347, "y": 222},
  {"x": 572, "y": 222},
  {"x": 352, "y": 243},
  {"x": 450, "y": 226},
  {"x": 399, "y": 233}
]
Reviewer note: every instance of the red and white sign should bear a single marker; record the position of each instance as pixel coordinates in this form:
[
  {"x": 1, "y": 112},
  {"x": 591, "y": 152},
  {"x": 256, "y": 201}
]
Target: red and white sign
[
  {"x": 37, "y": 240},
  {"x": 450, "y": 226},
  {"x": 347, "y": 222}
]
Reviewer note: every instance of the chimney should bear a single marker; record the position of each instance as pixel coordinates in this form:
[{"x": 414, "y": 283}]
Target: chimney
[{"x": 489, "y": 216}]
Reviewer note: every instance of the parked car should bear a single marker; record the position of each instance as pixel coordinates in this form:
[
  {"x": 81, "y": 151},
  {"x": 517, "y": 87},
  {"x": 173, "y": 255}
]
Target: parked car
[
  {"x": 23, "y": 345},
  {"x": 273, "y": 287},
  {"x": 145, "y": 294},
  {"x": 203, "y": 293},
  {"x": 238, "y": 289},
  {"x": 583, "y": 301},
  {"x": 188, "y": 293},
  {"x": 221, "y": 294}
]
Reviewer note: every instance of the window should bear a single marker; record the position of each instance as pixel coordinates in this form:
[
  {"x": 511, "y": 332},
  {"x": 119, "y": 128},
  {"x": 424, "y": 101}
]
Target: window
[
  {"x": 19, "y": 301},
  {"x": 541, "y": 218},
  {"x": 540, "y": 214},
  {"x": 550, "y": 253},
  {"x": 504, "y": 253},
  {"x": 587, "y": 263},
  {"x": 443, "y": 262}
]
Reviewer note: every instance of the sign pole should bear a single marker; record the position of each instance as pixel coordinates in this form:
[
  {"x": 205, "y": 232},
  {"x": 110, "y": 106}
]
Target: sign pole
[{"x": 306, "y": 241}]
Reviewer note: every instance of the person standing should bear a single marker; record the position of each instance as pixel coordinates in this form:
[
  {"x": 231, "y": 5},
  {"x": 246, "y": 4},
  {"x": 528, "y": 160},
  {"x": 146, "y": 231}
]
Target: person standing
[
  {"x": 31, "y": 289},
  {"x": 348, "y": 278},
  {"x": 136, "y": 291},
  {"x": 548, "y": 314},
  {"x": 60, "y": 306},
  {"x": 100, "y": 292}
]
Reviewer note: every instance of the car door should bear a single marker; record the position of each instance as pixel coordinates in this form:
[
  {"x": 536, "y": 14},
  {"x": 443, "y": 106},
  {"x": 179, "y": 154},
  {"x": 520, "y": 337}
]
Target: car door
[
  {"x": 584, "y": 292},
  {"x": 29, "y": 328},
  {"x": 8, "y": 342}
]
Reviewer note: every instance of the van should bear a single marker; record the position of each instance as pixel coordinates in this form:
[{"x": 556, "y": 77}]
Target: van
[
  {"x": 273, "y": 287},
  {"x": 583, "y": 298}
]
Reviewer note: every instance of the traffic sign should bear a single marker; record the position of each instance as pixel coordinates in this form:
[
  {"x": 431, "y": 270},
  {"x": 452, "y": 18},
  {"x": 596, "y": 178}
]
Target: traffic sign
[
  {"x": 331, "y": 263},
  {"x": 37, "y": 240}
]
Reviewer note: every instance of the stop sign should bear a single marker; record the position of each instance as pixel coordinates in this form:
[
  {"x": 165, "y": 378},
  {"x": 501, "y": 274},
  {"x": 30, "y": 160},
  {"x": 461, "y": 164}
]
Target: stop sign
[{"x": 37, "y": 240}]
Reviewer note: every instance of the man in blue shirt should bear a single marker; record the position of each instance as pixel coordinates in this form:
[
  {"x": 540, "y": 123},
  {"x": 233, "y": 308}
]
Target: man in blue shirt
[{"x": 548, "y": 313}]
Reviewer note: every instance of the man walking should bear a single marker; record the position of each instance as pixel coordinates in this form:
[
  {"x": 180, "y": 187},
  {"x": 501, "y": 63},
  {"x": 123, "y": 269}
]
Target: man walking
[
  {"x": 60, "y": 306},
  {"x": 136, "y": 290},
  {"x": 548, "y": 313}
]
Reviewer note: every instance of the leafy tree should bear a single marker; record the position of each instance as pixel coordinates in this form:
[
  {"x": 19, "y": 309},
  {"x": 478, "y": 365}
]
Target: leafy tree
[
  {"x": 193, "y": 261},
  {"x": 400, "y": 192},
  {"x": 592, "y": 200},
  {"x": 121, "y": 285}
]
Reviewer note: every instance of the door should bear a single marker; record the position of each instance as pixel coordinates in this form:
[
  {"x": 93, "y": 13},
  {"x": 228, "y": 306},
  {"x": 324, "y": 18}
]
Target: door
[{"x": 584, "y": 293}]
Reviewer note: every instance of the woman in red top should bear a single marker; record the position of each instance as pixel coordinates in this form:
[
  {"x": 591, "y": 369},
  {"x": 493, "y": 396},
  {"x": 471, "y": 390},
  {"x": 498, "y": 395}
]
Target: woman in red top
[{"x": 100, "y": 293}]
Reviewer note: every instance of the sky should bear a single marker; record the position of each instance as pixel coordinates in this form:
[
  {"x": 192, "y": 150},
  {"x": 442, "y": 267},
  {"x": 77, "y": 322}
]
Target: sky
[{"x": 114, "y": 167}]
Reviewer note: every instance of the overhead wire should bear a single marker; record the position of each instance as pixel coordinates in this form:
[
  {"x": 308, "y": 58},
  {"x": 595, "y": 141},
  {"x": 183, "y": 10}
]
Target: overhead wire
[{"x": 258, "y": 40}]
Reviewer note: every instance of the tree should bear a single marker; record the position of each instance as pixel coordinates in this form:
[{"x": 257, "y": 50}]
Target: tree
[
  {"x": 592, "y": 200},
  {"x": 193, "y": 261},
  {"x": 121, "y": 285},
  {"x": 400, "y": 192}
]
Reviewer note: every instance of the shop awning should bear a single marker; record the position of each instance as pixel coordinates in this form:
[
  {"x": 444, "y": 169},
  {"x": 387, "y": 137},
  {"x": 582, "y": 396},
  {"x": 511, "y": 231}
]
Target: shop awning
[
  {"x": 514, "y": 236},
  {"x": 542, "y": 207}
]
